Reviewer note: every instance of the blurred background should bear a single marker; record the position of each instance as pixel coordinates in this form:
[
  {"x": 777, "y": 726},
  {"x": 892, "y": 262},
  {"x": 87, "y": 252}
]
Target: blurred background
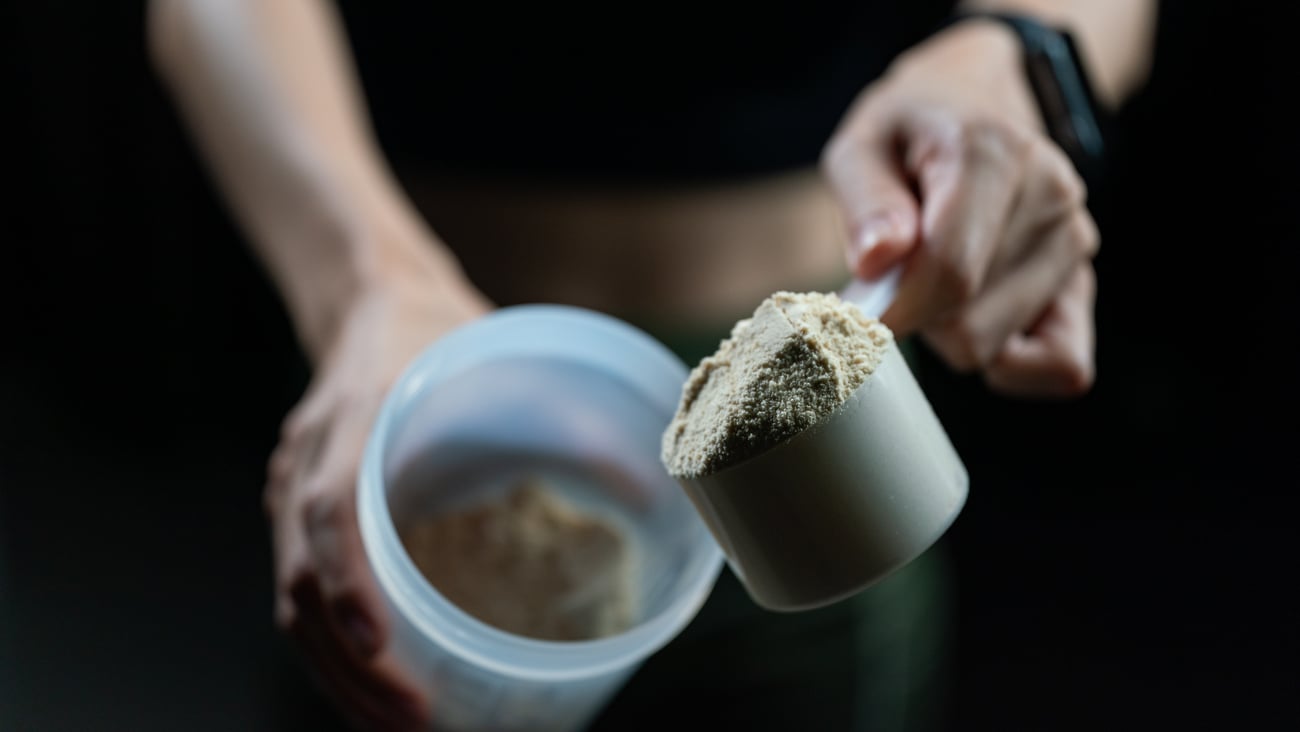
[{"x": 1126, "y": 561}]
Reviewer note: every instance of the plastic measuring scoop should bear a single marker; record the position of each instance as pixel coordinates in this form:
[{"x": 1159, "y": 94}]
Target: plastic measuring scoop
[
  {"x": 875, "y": 297},
  {"x": 846, "y": 502}
]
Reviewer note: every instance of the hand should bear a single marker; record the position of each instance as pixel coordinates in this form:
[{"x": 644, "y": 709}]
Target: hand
[
  {"x": 326, "y": 597},
  {"x": 943, "y": 166}
]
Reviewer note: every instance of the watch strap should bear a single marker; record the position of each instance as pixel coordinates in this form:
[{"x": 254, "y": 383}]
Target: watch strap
[{"x": 1060, "y": 84}]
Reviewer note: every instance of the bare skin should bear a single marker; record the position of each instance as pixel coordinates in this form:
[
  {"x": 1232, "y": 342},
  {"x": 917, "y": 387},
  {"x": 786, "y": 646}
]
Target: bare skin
[
  {"x": 995, "y": 240},
  {"x": 945, "y": 170},
  {"x": 700, "y": 256}
]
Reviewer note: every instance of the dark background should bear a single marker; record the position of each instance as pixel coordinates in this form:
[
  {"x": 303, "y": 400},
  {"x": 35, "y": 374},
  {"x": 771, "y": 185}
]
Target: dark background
[{"x": 1126, "y": 561}]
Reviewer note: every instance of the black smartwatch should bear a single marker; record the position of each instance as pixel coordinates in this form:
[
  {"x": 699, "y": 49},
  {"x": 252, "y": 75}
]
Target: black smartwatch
[{"x": 1060, "y": 84}]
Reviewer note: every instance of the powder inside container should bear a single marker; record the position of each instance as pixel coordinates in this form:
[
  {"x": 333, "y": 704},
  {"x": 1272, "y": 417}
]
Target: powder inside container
[
  {"x": 529, "y": 563},
  {"x": 783, "y": 370}
]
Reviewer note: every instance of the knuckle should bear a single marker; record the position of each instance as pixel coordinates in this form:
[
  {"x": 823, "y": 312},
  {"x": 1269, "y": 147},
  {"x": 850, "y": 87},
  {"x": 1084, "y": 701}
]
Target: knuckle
[
  {"x": 294, "y": 426},
  {"x": 298, "y": 580},
  {"x": 1079, "y": 376},
  {"x": 323, "y": 509},
  {"x": 985, "y": 140},
  {"x": 969, "y": 342},
  {"x": 1087, "y": 279},
  {"x": 279, "y": 468},
  {"x": 1083, "y": 236},
  {"x": 956, "y": 279},
  {"x": 841, "y": 158},
  {"x": 1064, "y": 187},
  {"x": 957, "y": 344},
  {"x": 345, "y": 596}
]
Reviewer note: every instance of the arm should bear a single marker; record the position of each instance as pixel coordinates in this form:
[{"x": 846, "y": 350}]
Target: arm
[
  {"x": 269, "y": 94},
  {"x": 943, "y": 167}
]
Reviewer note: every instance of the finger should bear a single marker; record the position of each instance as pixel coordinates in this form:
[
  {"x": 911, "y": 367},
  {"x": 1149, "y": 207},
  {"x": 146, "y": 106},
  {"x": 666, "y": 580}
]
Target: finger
[
  {"x": 1056, "y": 357},
  {"x": 372, "y": 695},
  {"x": 1052, "y": 192},
  {"x": 287, "y": 468},
  {"x": 969, "y": 179},
  {"x": 1015, "y": 301},
  {"x": 293, "y": 563},
  {"x": 298, "y": 450},
  {"x": 280, "y": 468},
  {"x": 328, "y": 513},
  {"x": 873, "y": 190}
]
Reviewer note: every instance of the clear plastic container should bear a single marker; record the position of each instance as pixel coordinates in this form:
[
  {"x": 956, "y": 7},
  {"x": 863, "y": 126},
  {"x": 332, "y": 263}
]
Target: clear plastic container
[{"x": 583, "y": 399}]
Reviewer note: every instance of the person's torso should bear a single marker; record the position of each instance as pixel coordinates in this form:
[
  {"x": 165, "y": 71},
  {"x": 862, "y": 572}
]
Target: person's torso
[
  {"x": 653, "y": 162},
  {"x": 663, "y": 91}
]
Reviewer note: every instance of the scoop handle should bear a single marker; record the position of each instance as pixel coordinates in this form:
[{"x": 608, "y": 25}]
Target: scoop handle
[{"x": 874, "y": 297}]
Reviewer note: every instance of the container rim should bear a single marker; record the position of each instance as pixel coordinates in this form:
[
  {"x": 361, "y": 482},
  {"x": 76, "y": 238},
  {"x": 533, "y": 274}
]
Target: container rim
[{"x": 644, "y": 364}]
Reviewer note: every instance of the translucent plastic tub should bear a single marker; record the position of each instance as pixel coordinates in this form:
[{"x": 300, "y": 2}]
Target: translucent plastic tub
[{"x": 582, "y": 399}]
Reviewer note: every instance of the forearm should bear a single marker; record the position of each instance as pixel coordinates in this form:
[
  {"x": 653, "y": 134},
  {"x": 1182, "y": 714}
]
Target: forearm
[
  {"x": 269, "y": 93},
  {"x": 1116, "y": 36}
]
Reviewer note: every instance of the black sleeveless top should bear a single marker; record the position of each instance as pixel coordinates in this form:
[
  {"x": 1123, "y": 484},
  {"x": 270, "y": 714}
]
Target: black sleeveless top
[{"x": 637, "y": 93}]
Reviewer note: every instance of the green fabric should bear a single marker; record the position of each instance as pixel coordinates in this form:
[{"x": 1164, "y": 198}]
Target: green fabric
[{"x": 874, "y": 662}]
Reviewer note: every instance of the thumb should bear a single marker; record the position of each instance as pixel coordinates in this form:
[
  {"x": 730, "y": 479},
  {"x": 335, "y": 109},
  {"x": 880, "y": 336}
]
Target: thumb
[{"x": 881, "y": 211}]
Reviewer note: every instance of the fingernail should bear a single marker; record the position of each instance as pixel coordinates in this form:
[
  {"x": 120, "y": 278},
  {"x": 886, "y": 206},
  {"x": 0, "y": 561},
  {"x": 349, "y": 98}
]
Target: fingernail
[
  {"x": 360, "y": 631},
  {"x": 856, "y": 254},
  {"x": 861, "y": 260},
  {"x": 869, "y": 238},
  {"x": 877, "y": 228}
]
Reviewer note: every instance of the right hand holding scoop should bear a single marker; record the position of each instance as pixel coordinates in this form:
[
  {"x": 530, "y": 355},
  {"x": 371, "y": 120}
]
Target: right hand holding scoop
[{"x": 943, "y": 167}]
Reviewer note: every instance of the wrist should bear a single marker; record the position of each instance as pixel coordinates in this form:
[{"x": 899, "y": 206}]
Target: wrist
[
  {"x": 1053, "y": 69},
  {"x": 401, "y": 266},
  {"x": 1115, "y": 37},
  {"x": 985, "y": 59}
]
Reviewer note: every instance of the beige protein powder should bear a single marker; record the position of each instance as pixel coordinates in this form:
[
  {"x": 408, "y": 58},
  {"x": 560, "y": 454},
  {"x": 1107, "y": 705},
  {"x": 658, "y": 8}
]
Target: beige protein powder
[
  {"x": 529, "y": 563},
  {"x": 783, "y": 370}
]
